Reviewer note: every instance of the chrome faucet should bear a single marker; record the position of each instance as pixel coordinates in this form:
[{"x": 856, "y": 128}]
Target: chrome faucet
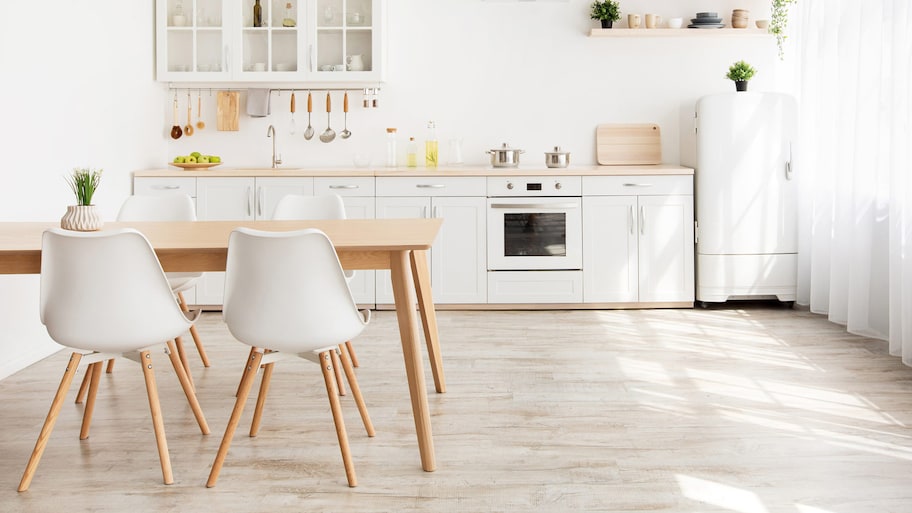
[{"x": 276, "y": 159}]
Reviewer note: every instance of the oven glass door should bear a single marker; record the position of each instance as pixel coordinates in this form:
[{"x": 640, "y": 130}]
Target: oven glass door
[{"x": 534, "y": 233}]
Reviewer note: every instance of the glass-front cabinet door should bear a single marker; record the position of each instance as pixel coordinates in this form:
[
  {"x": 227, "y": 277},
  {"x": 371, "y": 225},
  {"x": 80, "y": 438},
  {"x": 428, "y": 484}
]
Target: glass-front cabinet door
[
  {"x": 268, "y": 40},
  {"x": 192, "y": 40},
  {"x": 272, "y": 36},
  {"x": 347, "y": 39}
]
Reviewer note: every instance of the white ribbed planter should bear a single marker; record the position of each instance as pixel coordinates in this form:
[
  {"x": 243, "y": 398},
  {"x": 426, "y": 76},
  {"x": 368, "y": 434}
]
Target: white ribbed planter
[{"x": 81, "y": 218}]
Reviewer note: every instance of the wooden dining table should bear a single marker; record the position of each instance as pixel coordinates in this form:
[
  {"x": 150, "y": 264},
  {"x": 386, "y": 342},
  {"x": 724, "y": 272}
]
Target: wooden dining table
[{"x": 400, "y": 245}]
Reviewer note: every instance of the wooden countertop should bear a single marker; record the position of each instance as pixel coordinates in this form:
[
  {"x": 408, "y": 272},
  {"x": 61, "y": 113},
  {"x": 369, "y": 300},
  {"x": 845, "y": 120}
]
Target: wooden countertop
[{"x": 468, "y": 170}]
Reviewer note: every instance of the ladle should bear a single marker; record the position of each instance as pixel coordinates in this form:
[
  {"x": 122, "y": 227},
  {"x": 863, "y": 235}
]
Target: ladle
[
  {"x": 188, "y": 129},
  {"x": 199, "y": 112},
  {"x": 329, "y": 134},
  {"x": 309, "y": 131},
  {"x": 176, "y": 131},
  {"x": 346, "y": 133}
]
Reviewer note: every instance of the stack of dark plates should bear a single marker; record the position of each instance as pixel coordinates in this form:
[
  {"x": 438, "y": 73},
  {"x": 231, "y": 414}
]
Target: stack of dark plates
[{"x": 706, "y": 20}]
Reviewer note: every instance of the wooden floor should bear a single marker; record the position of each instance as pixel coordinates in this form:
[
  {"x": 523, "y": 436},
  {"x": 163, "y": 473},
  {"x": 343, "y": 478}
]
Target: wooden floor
[{"x": 751, "y": 410}]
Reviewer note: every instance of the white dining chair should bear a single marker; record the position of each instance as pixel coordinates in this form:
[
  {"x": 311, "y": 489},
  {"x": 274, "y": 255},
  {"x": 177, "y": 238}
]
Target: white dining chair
[
  {"x": 168, "y": 207},
  {"x": 104, "y": 295},
  {"x": 330, "y": 206},
  {"x": 286, "y": 297}
]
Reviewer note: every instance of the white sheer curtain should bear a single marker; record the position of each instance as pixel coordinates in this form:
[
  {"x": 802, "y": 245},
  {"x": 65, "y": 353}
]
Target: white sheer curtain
[{"x": 854, "y": 70}]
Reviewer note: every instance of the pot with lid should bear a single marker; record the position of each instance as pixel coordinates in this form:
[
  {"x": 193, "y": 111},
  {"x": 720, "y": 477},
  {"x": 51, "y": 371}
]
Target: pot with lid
[
  {"x": 557, "y": 158},
  {"x": 505, "y": 156}
]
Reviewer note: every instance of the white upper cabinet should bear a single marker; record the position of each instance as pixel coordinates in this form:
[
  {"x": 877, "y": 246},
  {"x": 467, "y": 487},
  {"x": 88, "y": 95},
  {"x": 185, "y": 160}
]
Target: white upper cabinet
[{"x": 292, "y": 41}]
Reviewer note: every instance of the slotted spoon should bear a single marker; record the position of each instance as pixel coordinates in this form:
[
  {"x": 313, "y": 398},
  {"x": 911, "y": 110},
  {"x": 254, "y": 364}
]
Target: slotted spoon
[{"x": 329, "y": 134}]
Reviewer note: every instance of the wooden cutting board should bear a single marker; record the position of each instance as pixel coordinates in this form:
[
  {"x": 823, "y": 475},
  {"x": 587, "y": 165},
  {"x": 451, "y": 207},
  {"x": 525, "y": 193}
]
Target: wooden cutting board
[
  {"x": 628, "y": 144},
  {"x": 228, "y": 111}
]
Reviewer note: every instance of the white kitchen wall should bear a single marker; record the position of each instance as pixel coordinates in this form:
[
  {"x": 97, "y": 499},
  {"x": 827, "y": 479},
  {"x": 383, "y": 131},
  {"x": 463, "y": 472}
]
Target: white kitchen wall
[
  {"x": 525, "y": 73},
  {"x": 79, "y": 90}
]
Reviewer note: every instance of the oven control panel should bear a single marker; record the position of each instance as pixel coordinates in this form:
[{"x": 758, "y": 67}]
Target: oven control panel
[{"x": 506, "y": 186}]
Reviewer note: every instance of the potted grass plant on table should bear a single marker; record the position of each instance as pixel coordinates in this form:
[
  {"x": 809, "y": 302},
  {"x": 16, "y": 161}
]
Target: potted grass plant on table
[{"x": 83, "y": 216}]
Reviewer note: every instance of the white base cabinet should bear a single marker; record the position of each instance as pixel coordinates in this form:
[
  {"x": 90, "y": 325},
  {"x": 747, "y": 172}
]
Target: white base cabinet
[
  {"x": 239, "y": 199},
  {"x": 638, "y": 239},
  {"x": 457, "y": 259}
]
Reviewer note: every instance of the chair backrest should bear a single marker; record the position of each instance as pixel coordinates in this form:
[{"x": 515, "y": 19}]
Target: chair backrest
[
  {"x": 158, "y": 207},
  {"x": 105, "y": 291},
  {"x": 286, "y": 291},
  {"x": 298, "y": 206},
  {"x": 175, "y": 206}
]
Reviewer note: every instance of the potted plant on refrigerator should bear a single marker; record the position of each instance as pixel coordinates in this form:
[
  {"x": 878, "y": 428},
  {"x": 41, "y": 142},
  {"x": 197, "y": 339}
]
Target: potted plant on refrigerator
[
  {"x": 606, "y": 11},
  {"x": 83, "y": 216},
  {"x": 740, "y": 72}
]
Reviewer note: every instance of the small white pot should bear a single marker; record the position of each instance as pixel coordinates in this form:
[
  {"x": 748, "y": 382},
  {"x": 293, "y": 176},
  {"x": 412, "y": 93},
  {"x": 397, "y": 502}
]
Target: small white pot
[{"x": 81, "y": 218}]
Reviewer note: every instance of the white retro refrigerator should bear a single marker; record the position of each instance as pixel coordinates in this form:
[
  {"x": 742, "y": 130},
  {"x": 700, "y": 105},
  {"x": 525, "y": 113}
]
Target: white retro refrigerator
[{"x": 746, "y": 197}]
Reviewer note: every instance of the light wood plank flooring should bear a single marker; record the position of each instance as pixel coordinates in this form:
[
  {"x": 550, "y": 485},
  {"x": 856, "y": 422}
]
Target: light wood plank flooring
[{"x": 750, "y": 409}]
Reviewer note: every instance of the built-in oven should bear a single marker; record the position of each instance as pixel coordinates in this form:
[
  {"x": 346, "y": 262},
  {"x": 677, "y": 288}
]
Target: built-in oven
[{"x": 535, "y": 237}]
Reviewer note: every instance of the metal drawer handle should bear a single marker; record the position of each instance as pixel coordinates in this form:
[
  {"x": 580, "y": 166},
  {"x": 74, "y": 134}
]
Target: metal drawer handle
[
  {"x": 430, "y": 186},
  {"x": 166, "y": 187},
  {"x": 543, "y": 206},
  {"x": 637, "y": 185},
  {"x": 344, "y": 186}
]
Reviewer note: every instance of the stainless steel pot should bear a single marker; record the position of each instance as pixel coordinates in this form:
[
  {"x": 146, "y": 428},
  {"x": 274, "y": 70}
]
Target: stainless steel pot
[
  {"x": 557, "y": 158},
  {"x": 505, "y": 156}
]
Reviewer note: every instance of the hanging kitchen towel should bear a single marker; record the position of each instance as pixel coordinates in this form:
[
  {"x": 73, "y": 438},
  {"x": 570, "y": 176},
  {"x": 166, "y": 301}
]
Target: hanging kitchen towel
[{"x": 258, "y": 103}]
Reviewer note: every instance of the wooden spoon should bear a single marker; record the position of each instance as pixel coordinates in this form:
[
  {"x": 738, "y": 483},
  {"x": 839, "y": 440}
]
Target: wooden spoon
[
  {"x": 176, "y": 131},
  {"x": 199, "y": 109},
  {"x": 188, "y": 129}
]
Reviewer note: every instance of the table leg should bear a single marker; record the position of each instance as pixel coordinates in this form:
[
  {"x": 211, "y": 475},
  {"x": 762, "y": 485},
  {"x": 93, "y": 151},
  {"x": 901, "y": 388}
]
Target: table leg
[
  {"x": 408, "y": 333},
  {"x": 428, "y": 316}
]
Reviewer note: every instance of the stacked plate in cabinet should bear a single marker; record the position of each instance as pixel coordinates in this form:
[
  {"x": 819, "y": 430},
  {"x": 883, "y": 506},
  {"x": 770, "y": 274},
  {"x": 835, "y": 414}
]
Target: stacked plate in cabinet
[{"x": 706, "y": 20}]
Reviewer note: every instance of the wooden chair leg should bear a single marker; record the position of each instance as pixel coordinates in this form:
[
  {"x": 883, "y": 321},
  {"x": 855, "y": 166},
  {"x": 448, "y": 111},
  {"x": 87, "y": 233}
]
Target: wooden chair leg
[
  {"x": 261, "y": 399},
  {"x": 84, "y": 387},
  {"x": 351, "y": 352},
  {"x": 244, "y": 374},
  {"x": 110, "y": 367},
  {"x": 49, "y": 422},
  {"x": 193, "y": 333},
  {"x": 188, "y": 388},
  {"x": 329, "y": 378},
  {"x": 90, "y": 400},
  {"x": 338, "y": 370},
  {"x": 158, "y": 425},
  {"x": 179, "y": 344},
  {"x": 250, "y": 370},
  {"x": 356, "y": 391}
]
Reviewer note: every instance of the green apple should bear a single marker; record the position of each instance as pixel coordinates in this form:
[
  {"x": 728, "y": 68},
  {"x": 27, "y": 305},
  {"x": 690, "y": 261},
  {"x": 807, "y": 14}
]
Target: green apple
[
  {"x": 215, "y": 159},
  {"x": 191, "y": 159},
  {"x": 196, "y": 154},
  {"x": 202, "y": 159},
  {"x": 178, "y": 159}
]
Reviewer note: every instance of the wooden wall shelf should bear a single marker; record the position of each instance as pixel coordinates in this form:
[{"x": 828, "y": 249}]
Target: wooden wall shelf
[{"x": 681, "y": 32}]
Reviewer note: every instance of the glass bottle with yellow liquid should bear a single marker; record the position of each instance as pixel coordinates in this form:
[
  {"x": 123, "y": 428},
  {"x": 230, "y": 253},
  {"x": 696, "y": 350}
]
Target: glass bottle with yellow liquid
[
  {"x": 411, "y": 153},
  {"x": 431, "y": 147}
]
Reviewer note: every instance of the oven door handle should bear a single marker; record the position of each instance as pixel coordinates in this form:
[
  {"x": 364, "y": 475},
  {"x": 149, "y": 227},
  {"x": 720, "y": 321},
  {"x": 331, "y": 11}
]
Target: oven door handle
[{"x": 537, "y": 206}]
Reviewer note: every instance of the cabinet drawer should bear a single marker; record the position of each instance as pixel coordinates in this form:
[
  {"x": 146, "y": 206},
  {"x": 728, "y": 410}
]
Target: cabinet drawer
[
  {"x": 165, "y": 185},
  {"x": 432, "y": 186},
  {"x": 344, "y": 186},
  {"x": 644, "y": 185}
]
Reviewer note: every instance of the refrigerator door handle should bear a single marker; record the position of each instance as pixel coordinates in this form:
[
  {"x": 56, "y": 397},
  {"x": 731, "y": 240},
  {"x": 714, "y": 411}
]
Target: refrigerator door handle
[{"x": 788, "y": 164}]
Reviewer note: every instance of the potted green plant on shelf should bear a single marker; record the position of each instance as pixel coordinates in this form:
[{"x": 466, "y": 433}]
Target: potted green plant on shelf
[
  {"x": 606, "y": 11},
  {"x": 83, "y": 216},
  {"x": 740, "y": 72}
]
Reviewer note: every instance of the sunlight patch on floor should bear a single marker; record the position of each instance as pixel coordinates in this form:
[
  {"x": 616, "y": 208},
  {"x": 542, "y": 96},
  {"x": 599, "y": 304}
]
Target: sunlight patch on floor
[{"x": 721, "y": 495}]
